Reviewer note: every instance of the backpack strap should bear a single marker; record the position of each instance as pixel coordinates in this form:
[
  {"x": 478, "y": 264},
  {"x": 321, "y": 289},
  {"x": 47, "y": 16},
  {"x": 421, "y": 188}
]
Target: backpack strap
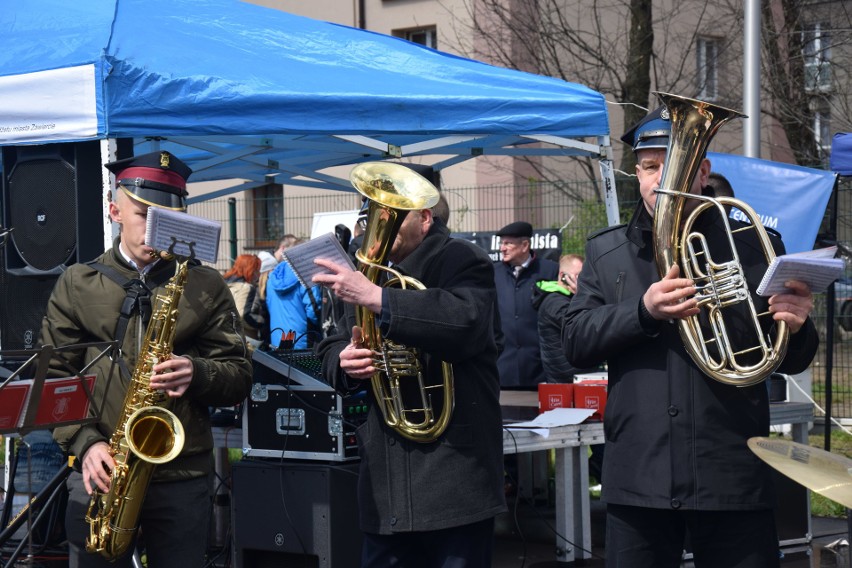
[{"x": 137, "y": 299}]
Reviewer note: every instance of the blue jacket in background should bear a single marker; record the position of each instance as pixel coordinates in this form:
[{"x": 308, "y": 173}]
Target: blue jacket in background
[{"x": 289, "y": 305}]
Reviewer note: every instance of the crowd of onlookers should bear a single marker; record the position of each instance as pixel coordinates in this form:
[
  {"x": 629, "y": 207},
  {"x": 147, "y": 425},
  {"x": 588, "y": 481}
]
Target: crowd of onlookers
[{"x": 274, "y": 305}]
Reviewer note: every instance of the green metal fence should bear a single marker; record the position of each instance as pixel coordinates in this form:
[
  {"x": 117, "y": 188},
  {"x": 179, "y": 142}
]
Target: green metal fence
[{"x": 570, "y": 206}]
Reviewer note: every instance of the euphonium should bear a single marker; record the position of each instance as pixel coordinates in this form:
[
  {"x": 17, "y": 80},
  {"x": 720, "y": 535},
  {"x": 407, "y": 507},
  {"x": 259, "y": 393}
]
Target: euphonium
[
  {"x": 402, "y": 391},
  {"x": 145, "y": 435},
  {"x": 720, "y": 286}
]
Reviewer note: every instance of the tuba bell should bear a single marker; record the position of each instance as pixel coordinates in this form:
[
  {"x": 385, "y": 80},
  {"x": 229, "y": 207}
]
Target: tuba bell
[
  {"x": 416, "y": 408},
  {"x": 721, "y": 287}
]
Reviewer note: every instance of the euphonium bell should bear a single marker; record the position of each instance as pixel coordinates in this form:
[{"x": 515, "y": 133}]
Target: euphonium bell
[
  {"x": 721, "y": 287},
  {"x": 418, "y": 409}
]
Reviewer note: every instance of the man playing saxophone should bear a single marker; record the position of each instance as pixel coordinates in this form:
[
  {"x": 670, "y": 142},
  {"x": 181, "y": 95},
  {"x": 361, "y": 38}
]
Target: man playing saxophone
[
  {"x": 112, "y": 300},
  {"x": 676, "y": 457},
  {"x": 425, "y": 502}
]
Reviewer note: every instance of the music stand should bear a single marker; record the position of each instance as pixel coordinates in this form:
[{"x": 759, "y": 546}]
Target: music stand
[{"x": 42, "y": 403}]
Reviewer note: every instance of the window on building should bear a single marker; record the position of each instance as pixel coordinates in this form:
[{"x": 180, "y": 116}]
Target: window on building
[
  {"x": 423, "y": 36},
  {"x": 267, "y": 214},
  {"x": 708, "y": 68},
  {"x": 817, "y": 56},
  {"x": 822, "y": 130}
]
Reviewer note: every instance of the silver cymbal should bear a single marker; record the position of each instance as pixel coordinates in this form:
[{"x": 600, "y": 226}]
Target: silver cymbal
[{"x": 826, "y": 473}]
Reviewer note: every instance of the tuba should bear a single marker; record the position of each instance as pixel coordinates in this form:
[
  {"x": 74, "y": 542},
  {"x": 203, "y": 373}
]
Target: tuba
[
  {"x": 145, "y": 435},
  {"x": 721, "y": 287},
  {"x": 416, "y": 408}
]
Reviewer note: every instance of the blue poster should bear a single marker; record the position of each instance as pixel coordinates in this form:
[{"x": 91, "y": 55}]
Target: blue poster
[{"x": 789, "y": 199}]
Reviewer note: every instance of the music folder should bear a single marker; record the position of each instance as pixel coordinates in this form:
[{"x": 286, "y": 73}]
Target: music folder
[
  {"x": 61, "y": 401},
  {"x": 30, "y": 400}
]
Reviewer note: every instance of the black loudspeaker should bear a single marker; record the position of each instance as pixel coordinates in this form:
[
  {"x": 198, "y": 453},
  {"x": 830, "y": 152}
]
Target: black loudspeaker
[
  {"x": 295, "y": 514},
  {"x": 52, "y": 202},
  {"x": 23, "y": 300}
]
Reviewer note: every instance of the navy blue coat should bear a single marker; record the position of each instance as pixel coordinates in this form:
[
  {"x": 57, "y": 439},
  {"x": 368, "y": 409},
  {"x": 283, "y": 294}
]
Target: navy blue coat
[{"x": 519, "y": 364}]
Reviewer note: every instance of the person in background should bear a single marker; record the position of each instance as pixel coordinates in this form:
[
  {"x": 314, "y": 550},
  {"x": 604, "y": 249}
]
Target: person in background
[
  {"x": 284, "y": 243},
  {"x": 515, "y": 277},
  {"x": 242, "y": 281},
  {"x": 430, "y": 503},
  {"x": 209, "y": 367},
  {"x": 551, "y": 299},
  {"x": 292, "y": 307},
  {"x": 719, "y": 186},
  {"x": 676, "y": 457}
]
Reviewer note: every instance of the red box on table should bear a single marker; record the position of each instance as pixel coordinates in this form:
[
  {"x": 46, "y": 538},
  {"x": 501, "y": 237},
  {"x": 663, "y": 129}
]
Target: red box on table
[
  {"x": 591, "y": 394},
  {"x": 555, "y": 395}
]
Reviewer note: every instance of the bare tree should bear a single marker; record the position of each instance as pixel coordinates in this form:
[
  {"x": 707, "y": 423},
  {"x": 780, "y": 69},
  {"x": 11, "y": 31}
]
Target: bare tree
[
  {"x": 619, "y": 48},
  {"x": 806, "y": 58}
]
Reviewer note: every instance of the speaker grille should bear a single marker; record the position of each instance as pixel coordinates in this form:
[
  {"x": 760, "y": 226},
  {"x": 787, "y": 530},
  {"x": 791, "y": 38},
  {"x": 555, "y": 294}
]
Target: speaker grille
[
  {"x": 23, "y": 301},
  {"x": 43, "y": 212}
]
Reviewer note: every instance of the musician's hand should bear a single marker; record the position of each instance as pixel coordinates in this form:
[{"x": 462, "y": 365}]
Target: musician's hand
[
  {"x": 97, "y": 466},
  {"x": 671, "y": 298},
  {"x": 349, "y": 285},
  {"x": 793, "y": 306},
  {"x": 172, "y": 376},
  {"x": 355, "y": 360}
]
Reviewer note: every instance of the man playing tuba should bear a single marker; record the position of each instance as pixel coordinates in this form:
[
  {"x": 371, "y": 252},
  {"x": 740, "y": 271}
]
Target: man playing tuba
[
  {"x": 423, "y": 501},
  {"x": 676, "y": 455}
]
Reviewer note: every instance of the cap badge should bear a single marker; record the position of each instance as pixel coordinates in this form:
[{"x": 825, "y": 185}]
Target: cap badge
[{"x": 164, "y": 159}]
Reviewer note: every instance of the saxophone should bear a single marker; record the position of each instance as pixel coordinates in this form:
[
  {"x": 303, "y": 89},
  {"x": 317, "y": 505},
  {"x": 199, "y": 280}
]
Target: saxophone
[{"x": 145, "y": 435}]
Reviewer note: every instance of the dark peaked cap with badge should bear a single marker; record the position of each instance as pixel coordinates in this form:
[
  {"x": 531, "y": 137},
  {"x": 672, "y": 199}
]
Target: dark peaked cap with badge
[
  {"x": 653, "y": 131},
  {"x": 516, "y": 229},
  {"x": 157, "y": 178}
]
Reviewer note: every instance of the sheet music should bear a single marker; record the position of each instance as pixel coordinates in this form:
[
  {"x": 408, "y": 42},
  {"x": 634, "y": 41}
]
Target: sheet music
[
  {"x": 301, "y": 257},
  {"x": 166, "y": 228},
  {"x": 818, "y": 268}
]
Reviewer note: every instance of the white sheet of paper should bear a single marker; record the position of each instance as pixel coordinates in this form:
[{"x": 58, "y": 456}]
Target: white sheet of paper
[{"x": 555, "y": 417}]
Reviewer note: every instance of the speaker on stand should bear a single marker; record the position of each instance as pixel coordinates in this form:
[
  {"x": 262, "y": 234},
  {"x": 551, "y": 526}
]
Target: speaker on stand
[{"x": 51, "y": 201}]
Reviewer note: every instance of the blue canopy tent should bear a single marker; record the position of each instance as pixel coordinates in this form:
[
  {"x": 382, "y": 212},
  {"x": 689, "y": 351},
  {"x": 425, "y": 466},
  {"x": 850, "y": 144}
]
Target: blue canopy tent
[{"x": 242, "y": 91}]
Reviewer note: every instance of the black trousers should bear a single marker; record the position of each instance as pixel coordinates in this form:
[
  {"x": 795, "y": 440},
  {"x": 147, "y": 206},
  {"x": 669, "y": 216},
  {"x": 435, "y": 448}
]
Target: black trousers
[
  {"x": 637, "y": 537},
  {"x": 467, "y": 546},
  {"x": 175, "y": 524}
]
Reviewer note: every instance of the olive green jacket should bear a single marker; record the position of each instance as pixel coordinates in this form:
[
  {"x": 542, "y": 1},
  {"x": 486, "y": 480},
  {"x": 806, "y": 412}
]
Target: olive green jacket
[{"x": 84, "y": 307}]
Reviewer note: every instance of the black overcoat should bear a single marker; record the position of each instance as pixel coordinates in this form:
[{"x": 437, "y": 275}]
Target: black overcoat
[
  {"x": 675, "y": 438},
  {"x": 408, "y": 486}
]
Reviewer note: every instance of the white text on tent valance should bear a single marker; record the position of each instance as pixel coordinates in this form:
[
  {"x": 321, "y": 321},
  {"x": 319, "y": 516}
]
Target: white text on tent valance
[{"x": 57, "y": 105}]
